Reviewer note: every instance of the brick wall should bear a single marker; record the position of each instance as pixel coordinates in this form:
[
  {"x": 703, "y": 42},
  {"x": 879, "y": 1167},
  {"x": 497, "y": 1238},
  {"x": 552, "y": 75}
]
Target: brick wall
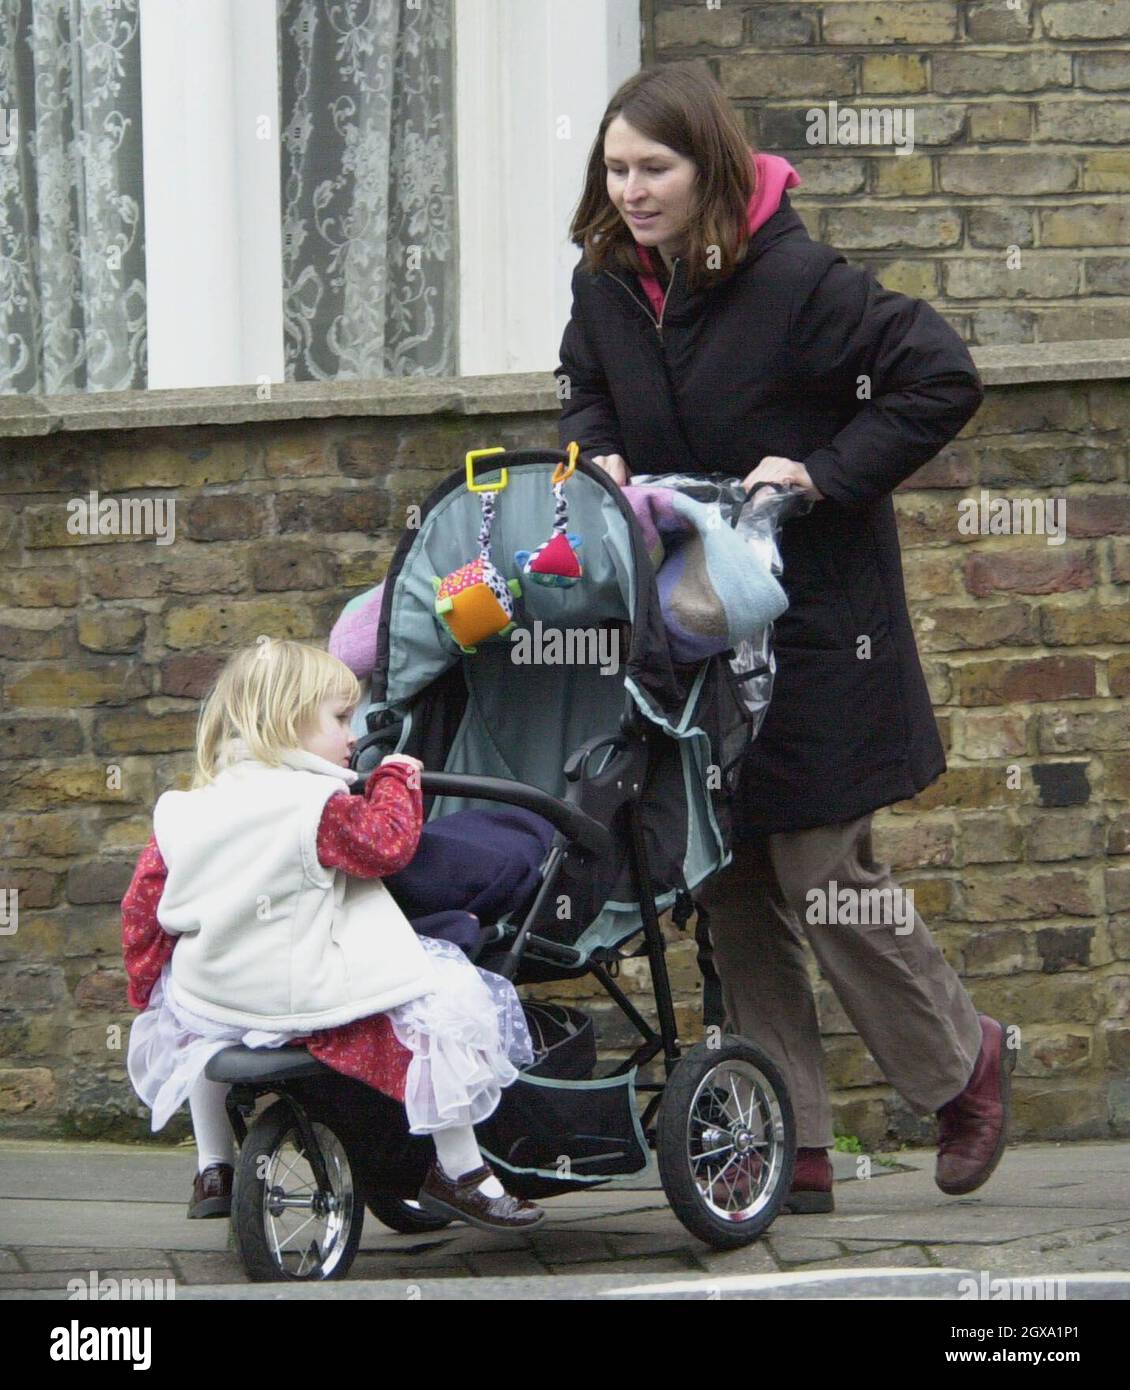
[
  {"x": 1010, "y": 216},
  {"x": 108, "y": 643}
]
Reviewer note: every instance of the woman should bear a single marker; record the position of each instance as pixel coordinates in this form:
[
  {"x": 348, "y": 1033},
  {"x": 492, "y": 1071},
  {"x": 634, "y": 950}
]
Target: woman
[{"x": 710, "y": 333}]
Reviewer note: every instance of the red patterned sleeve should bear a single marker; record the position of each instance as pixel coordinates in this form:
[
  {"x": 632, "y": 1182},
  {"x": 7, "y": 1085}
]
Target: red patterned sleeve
[
  {"x": 146, "y": 946},
  {"x": 376, "y": 834}
]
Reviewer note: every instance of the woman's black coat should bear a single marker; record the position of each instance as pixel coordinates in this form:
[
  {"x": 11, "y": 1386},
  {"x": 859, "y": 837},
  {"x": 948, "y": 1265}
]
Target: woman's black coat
[{"x": 800, "y": 355}]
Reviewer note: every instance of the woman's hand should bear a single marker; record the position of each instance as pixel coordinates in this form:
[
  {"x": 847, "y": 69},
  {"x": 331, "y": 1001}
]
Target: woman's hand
[
  {"x": 614, "y": 466},
  {"x": 779, "y": 470}
]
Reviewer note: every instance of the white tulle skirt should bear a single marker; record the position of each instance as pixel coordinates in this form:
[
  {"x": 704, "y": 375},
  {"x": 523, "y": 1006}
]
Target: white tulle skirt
[{"x": 467, "y": 1036}]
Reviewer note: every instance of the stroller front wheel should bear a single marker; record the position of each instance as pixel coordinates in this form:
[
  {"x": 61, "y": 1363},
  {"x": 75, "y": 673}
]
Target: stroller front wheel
[
  {"x": 286, "y": 1225},
  {"x": 726, "y": 1142}
]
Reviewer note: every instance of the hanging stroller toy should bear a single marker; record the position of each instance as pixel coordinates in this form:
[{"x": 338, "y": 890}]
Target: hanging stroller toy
[
  {"x": 475, "y": 601},
  {"x": 554, "y": 563}
]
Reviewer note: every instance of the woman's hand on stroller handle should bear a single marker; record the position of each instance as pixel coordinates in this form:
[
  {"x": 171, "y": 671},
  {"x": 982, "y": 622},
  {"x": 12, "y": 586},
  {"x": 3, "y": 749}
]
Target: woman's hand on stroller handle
[
  {"x": 614, "y": 466},
  {"x": 787, "y": 472}
]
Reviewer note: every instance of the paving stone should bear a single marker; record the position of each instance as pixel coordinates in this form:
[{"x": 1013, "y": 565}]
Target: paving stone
[
  {"x": 750, "y": 1259},
  {"x": 896, "y": 1257},
  {"x": 9, "y": 1262},
  {"x": 655, "y": 1265},
  {"x": 569, "y": 1247},
  {"x": 58, "y": 1279},
  {"x": 208, "y": 1267},
  {"x": 411, "y": 1276},
  {"x": 651, "y": 1243},
  {"x": 795, "y": 1250},
  {"x": 505, "y": 1262},
  {"x": 48, "y": 1257}
]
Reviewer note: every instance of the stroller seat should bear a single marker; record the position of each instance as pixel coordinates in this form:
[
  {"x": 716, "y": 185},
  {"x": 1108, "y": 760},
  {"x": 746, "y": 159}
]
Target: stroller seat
[{"x": 236, "y": 1065}]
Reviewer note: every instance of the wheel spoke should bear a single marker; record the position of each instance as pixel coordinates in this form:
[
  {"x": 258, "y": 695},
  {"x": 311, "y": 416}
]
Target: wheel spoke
[
  {"x": 697, "y": 1158},
  {"x": 295, "y": 1234}
]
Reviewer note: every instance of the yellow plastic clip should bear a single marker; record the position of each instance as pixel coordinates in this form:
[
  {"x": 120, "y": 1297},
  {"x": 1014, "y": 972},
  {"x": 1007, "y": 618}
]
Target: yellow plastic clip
[
  {"x": 473, "y": 486},
  {"x": 570, "y": 468}
]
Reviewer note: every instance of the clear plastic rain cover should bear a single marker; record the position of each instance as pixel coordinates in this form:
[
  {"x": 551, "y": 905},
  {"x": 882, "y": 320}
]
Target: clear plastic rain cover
[{"x": 757, "y": 517}]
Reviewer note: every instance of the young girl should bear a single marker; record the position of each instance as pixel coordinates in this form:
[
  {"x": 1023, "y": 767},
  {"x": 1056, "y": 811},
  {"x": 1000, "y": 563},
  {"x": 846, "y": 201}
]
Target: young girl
[{"x": 266, "y": 879}]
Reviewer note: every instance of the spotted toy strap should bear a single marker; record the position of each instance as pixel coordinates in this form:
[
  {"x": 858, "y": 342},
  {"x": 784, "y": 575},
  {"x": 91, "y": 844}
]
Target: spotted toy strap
[
  {"x": 486, "y": 524},
  {"x": 560, "y": 510}
]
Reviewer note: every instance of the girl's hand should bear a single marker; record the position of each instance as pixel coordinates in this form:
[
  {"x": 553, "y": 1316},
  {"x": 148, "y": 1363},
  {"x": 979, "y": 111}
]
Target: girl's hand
[
  {"x": 779, "y": 470},
  {"x": 403, "y": 758},
  {"x": 614, "y": 466}
]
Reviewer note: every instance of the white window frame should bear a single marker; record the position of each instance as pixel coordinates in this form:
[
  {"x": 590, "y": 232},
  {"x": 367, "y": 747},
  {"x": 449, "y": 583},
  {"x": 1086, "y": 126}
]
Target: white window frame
[{"x": 532, "y": 81}]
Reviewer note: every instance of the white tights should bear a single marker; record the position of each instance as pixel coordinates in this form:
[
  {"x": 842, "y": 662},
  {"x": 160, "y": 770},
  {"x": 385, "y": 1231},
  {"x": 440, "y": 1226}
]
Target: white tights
[{"x": 457, "y": 1149}]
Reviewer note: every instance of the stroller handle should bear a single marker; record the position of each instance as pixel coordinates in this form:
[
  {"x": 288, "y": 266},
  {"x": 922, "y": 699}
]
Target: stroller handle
[{"x": 571, "y": 821}]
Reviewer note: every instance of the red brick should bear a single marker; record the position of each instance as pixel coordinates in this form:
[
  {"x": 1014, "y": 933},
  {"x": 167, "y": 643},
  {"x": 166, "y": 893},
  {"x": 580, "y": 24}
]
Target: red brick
[
  {"x": 99, "y": 881},
  {"x": 102, "y": 989},
  {"x": 1029, "y": 571},
  {"x": 36, "y": 887},
  {"x": 190, "y": 674},
  {"x": 227, "y": 517},
  {"x": 1098, "y": 515},
  {"x": 1041, "y": 678}
]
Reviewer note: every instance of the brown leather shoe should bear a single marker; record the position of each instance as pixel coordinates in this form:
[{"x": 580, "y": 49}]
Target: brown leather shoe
[
  {"x": 811, "y": 1191},
  {"x": 973, "y": 1127},
  {"x": 211, "y": 1192},
  {"x": 461, "y": 1198}
]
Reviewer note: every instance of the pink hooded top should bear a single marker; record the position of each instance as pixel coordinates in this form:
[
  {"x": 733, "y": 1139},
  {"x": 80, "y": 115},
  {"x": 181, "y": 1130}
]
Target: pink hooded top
[{"x": 772, "y": 175}]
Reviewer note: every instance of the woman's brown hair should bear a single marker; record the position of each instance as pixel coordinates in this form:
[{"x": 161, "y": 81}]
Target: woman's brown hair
[{"x": 679, "y": 105}]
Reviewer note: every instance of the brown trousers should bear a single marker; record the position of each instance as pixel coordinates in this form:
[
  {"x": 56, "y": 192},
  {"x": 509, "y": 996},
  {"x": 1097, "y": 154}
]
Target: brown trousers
[{"x": 903, "y": 998}]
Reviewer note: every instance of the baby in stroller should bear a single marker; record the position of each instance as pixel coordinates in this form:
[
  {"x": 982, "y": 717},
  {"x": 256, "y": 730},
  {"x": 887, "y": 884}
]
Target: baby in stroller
[{"x": 257, "y": 914}]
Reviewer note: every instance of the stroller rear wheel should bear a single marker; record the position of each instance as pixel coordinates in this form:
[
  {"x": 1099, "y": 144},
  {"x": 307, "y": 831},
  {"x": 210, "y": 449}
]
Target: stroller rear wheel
[
  {"x": 726, "y": 1142},
  {"x": 287, "y": 1226},
  {"x": 407, "y": 1217}
]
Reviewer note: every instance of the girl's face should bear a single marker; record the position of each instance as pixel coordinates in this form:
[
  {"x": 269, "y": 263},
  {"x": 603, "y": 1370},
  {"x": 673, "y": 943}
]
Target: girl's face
[
  {"x": 328, "y": 735},
  {"x": 646, "y": 177}
]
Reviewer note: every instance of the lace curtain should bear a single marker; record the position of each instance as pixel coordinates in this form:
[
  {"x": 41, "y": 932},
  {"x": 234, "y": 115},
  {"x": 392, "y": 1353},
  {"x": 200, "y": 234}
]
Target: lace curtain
[
  {"x": 72, "y": 244},
  {"x": 366, "y": 90}
]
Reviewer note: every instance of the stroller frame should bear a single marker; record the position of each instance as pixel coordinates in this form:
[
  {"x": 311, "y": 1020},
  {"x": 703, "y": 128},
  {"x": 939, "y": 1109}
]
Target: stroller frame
[{"x": 594, "y": 794}]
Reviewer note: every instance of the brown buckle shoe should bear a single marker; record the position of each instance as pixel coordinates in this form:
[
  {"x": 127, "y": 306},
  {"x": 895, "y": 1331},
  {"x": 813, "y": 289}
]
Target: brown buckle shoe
[
  {"x": 461, "y": 1199},
  {"x": 973, "y": 1127},
  {"x": 211, "y": 1192}
]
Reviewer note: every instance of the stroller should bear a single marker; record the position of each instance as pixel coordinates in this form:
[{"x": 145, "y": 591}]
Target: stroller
[{"x": 635, "y": 770}]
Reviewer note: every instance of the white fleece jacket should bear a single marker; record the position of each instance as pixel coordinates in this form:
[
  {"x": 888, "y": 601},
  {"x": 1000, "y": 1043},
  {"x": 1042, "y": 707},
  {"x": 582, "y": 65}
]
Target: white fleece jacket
[{"x": 271, "y": 938}]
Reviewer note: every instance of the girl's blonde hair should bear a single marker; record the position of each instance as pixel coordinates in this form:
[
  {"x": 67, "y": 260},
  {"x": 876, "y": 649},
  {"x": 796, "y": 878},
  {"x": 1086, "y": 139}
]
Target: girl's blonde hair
[{"x": 264, "y": 695}]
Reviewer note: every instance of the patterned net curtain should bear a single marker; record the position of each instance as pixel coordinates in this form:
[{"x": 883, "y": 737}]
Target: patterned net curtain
[
  {"x": 72, "y": 235},
  {"x": 366, "y": 90}
]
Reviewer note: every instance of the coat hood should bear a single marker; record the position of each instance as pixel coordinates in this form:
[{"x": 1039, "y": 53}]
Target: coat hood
[{"x": 772, "y": 175}]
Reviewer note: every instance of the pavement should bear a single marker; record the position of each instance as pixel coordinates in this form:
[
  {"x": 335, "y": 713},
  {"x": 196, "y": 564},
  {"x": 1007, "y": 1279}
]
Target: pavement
[{"x": 1054, "y": 1211}]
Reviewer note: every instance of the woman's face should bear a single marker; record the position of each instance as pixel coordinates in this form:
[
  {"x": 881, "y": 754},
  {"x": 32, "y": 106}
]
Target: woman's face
[{"x": 646, "y": 177}]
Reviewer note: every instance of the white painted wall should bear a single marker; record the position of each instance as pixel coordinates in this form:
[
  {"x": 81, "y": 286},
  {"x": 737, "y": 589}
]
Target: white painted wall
[
  {"x": 213, "y": 234},
  {"x": 533, "y": 78}
]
